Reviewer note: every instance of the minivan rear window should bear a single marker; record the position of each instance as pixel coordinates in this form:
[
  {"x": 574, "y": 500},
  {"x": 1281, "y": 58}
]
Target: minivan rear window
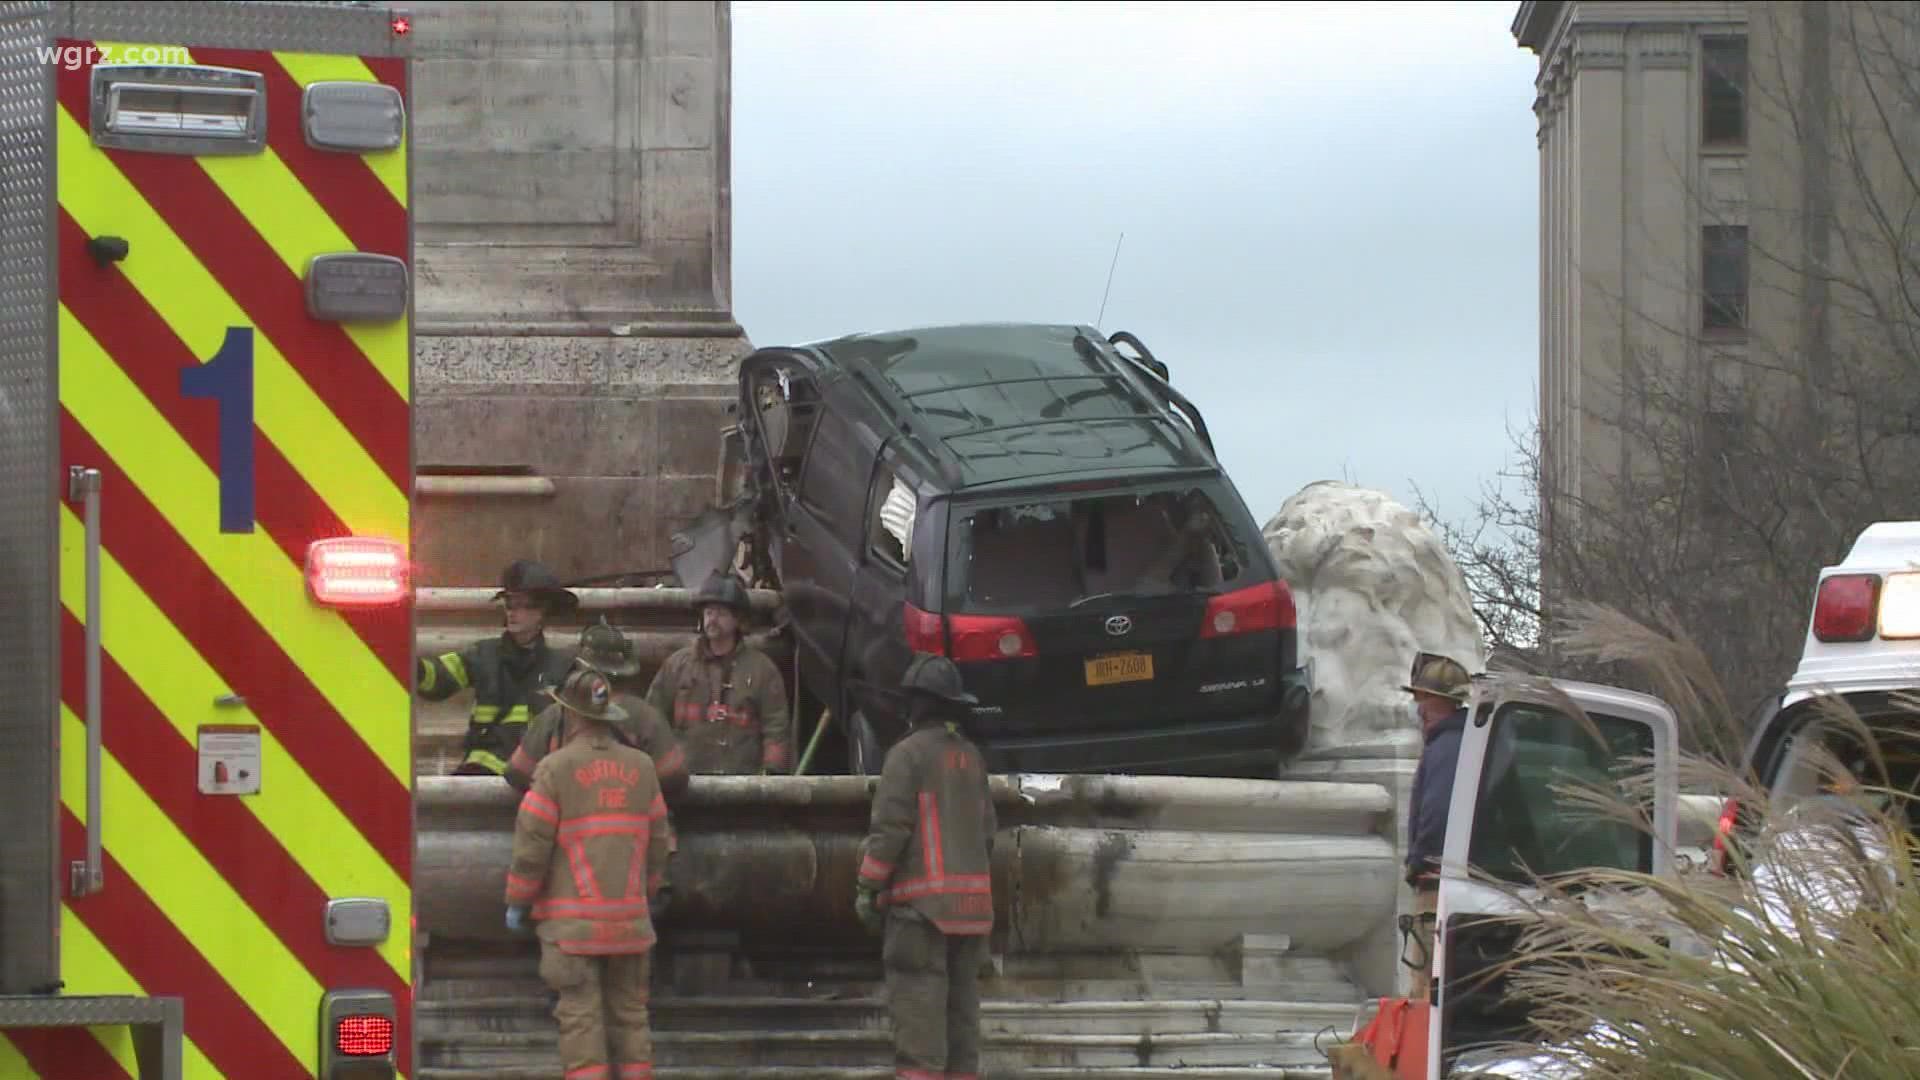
[{"x": 1048, "y": 552}]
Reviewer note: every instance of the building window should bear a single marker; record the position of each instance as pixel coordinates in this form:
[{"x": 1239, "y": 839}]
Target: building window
[
  {"x": 1724, "y": 91},
  {"x": 1723, "y": 277}
]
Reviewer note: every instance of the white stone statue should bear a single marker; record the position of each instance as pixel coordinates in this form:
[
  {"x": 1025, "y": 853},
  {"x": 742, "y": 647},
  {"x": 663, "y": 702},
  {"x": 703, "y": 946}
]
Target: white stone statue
[{"x": 1373, "y": 586}]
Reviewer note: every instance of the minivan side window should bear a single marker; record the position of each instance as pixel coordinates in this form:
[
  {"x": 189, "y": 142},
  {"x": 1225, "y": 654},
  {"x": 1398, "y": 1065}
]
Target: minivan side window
[
  {"x": 890, "y": 513},
  {"x": 832, "y": 484},
  {"x": 1522, "y": 824}
]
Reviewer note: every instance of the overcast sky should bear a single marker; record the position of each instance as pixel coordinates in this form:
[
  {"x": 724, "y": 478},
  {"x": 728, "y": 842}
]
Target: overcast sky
[{"x": 1331, "y": 209}]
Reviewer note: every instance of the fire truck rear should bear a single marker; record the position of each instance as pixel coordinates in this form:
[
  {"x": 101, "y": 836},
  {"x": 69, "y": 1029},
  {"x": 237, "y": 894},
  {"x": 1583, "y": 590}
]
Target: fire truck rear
[{"x": 206, "y": 484}]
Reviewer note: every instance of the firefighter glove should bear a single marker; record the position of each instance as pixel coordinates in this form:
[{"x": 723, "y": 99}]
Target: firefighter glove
[
  {"x": 867, "y": 910},
  {"x": 516, "y": 918},
  {"x": 662, "y": 901}
]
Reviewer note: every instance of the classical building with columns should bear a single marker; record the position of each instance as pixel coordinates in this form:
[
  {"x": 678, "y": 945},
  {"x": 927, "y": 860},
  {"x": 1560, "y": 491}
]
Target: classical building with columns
[{"x": 1712, "y": 176}]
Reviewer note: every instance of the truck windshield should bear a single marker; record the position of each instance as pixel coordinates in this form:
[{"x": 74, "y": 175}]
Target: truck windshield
[
  {"x": 1827, "y": 758},
  {"x": 1053, "y": 552}
]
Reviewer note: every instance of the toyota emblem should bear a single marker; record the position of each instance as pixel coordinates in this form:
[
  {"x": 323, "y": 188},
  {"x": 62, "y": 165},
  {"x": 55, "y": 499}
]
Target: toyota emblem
[{"x": 1119, "y": 626}]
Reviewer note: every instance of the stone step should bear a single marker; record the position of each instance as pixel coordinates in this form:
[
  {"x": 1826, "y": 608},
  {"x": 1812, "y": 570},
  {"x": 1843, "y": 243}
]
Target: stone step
[
  {"x": 842, "y": 1048},
  {"x": 466, "y": 973},
  {"x": 886, "y": 1072},
  {"x": 447, "y": 1019},
  {"x": 1329, "y": 991}
]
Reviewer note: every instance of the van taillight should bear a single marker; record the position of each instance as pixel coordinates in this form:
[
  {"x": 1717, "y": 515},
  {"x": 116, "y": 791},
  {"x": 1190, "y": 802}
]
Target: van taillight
[
  {"x": 975, "y": 637},
  {"x": 1266, "y": 606},
  {"x": 357, "y": 571},
  {"x": 925, "y": 633},
  {"x": 1845, "y": 606},
  {"x": 990, "y": 637}
]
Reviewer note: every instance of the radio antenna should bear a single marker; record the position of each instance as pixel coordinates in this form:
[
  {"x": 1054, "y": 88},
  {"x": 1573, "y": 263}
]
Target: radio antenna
[{"x": 1109, "y": 289}]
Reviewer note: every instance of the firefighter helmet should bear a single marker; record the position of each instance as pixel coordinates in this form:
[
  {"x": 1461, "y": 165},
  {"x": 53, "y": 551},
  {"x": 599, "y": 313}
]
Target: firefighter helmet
[
  {"x": 1438, "y": 676},
  {"x": 608, "y": 651},
  {"x": 528, "y": 576},
  {"x": 938, "y": 677},
  {"x": 725, "y": 590},
  {"x": 587, "y": 693}
]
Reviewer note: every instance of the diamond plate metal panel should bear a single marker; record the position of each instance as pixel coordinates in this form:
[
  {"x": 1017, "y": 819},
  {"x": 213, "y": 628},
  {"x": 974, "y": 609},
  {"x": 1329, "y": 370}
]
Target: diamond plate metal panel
[
  {"x": 86, "y": 1011},
  {"x": 358, "y": 29},
  {"x": 29, "y": 525}
]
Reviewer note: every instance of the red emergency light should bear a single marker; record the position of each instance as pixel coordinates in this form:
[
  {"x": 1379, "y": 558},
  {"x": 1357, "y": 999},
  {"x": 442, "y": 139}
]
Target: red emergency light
[
  {"x": 1722, "y": 855},
  {"x": 401, "y": 24},
  {"x": 357, "y": 571},
  {"x": 357, "y": 1029},
  {"x": 363, "y": 1036},
  {"x": 1845, "y": 607}
]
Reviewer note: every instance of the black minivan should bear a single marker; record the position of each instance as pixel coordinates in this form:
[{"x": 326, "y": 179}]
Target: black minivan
[{"x": 1042, "y": 508}]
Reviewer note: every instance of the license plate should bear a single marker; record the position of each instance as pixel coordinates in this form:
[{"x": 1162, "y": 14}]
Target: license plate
[{"x": 1124, "y": 667}]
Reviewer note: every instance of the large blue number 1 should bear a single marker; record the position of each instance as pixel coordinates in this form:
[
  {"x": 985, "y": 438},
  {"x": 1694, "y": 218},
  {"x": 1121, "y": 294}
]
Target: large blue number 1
[{"x": 228, "y": 379}]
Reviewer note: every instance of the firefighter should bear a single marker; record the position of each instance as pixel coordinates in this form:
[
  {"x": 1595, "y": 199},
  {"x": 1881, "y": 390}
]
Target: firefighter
[
  {"x": 507, "y": 674},
  {"x": 724, "y": 697},
  {"x": 589, "y": 856},
  {"x": 1439, "y": 688},
  {"x": 603, "y": 648},
  {"x": 926, "y": 877}
]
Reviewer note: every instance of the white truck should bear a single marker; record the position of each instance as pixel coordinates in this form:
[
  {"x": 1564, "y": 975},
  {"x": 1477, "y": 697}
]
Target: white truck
[
  {"x": 1813, "y": 765},
  {"x": 1526, "y": 741},
  {"x": 1863, "y": 648}
]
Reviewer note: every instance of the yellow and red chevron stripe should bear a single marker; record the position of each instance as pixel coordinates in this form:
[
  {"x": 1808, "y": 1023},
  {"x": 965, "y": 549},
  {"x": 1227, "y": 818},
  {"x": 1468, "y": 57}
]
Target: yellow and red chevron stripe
[{"x": 193, "y": 378}]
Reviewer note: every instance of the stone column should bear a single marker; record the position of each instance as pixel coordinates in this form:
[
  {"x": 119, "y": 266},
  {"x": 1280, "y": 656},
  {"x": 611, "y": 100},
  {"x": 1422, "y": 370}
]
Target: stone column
[{"x": 574, "y": 307}]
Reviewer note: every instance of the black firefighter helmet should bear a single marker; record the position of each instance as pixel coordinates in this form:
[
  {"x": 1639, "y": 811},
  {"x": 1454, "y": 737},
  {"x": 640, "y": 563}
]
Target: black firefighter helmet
[
  {"x": 936, "y": 677},
  {"x": 608, "y": 651},
  {"x": 534, "y": 579},
  {"x": 725, "y": 590}
]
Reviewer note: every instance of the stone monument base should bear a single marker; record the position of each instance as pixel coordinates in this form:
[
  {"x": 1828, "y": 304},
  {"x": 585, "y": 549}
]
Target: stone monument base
[
  {"x": 584, "y": 451},
  {"x": 1389, "y": 762}
]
